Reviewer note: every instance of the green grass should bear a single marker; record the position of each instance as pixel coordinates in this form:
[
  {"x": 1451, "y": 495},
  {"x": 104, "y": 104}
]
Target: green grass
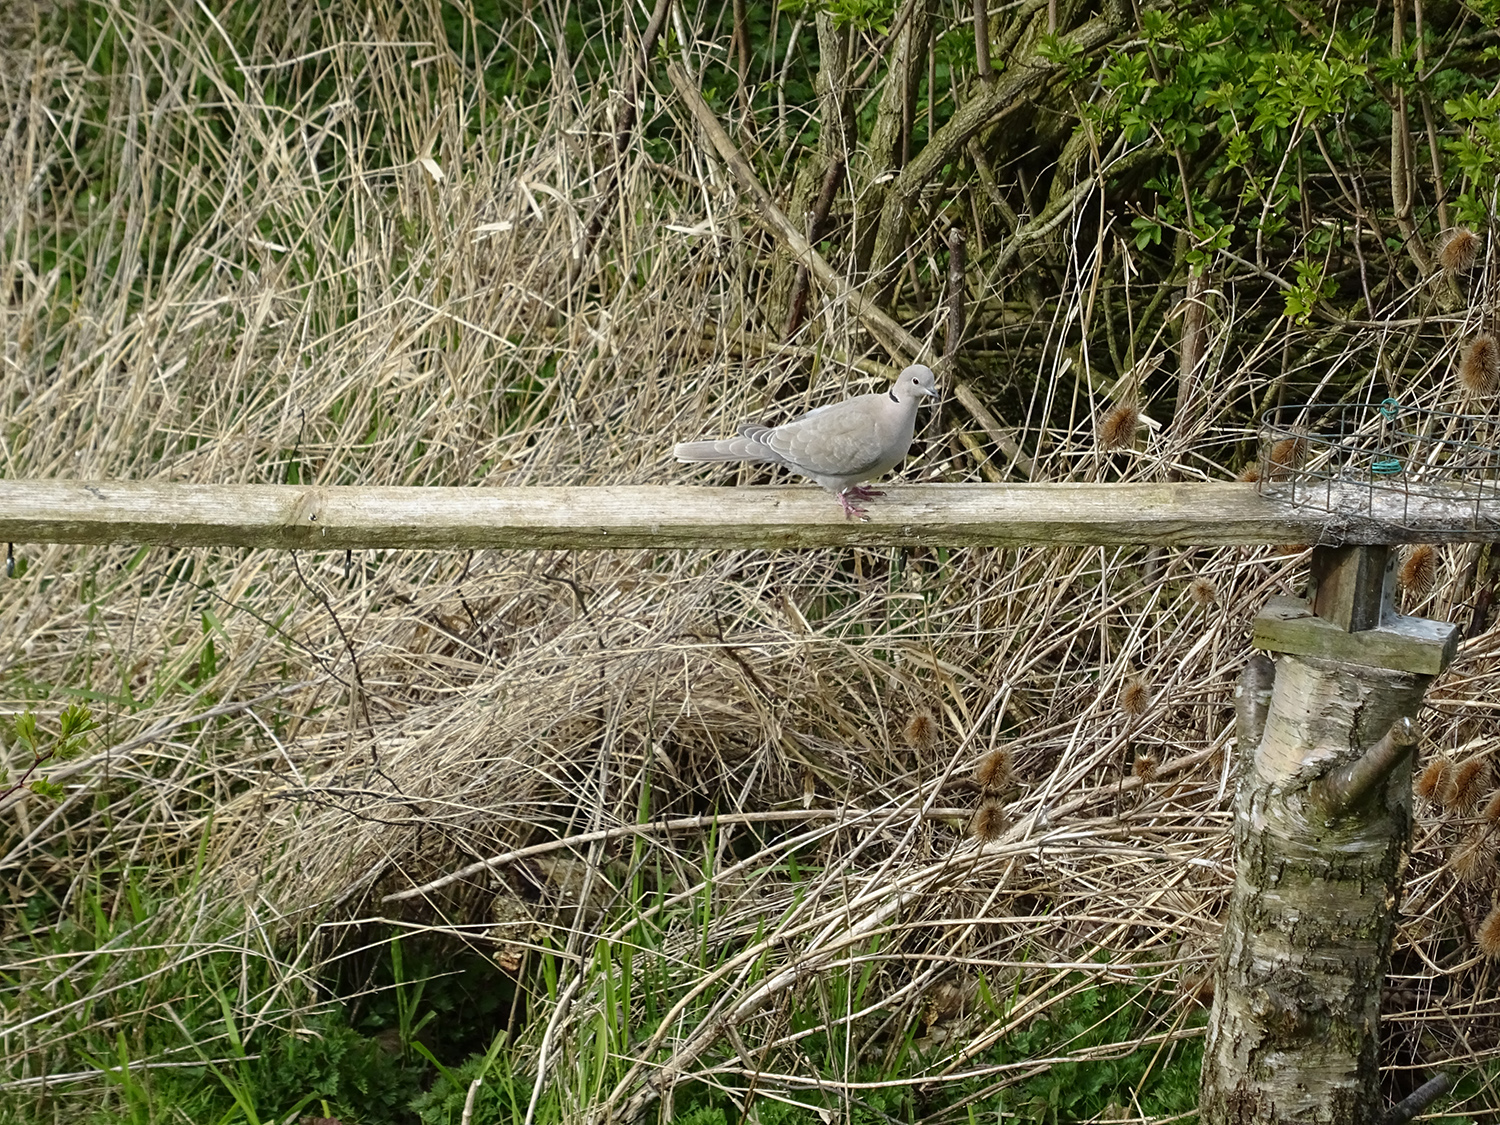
[
  {"x": 212, "y": 1030},
  {"x": 221, "y": 1031}
]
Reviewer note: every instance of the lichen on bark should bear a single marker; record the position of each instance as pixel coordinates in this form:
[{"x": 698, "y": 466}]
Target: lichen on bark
[{"x": 1294, "y": 1031}]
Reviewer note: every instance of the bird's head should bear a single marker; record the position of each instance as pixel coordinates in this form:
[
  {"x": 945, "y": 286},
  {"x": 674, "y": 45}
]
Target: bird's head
[{"x": 915, "y": 380}]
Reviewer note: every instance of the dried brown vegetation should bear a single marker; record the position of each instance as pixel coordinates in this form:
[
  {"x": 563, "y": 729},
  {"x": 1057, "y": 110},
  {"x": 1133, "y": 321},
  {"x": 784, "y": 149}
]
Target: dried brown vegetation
[{"x": 326, "y": 736}]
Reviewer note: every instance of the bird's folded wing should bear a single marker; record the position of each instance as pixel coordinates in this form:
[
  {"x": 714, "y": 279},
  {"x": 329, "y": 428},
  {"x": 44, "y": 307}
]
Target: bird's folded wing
[{"x": 842, "y": 440}]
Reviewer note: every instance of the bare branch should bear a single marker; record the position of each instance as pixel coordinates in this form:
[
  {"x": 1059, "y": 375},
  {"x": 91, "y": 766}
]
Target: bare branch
[{"x": 1349, "y": 785}]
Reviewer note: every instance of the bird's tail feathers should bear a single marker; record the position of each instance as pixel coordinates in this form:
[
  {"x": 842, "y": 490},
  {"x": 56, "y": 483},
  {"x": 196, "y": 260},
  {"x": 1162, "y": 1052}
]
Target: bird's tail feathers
[{"x": 728, "y": 449}]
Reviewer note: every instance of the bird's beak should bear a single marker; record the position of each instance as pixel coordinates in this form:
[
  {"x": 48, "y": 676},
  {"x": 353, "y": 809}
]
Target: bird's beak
[{"x": 930, "y": 392}]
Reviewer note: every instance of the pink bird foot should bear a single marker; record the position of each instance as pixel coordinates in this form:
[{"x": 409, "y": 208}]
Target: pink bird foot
[{"x": 849, "y": 499}]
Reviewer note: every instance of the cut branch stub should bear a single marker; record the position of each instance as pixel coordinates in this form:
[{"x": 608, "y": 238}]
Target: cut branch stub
[
  {"x": 1351, "y": 784},
  {"x": 1418, "y": 1100},
  {"x": 1252, "y": 699}
]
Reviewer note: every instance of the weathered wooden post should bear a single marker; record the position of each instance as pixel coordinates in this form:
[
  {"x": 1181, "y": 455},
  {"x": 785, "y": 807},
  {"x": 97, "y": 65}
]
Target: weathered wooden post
[{"x": 1323, "y": 815}]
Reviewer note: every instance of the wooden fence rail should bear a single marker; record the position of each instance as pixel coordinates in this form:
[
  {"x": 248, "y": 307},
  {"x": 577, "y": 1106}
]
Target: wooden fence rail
[{"x": 671, "y": 517}]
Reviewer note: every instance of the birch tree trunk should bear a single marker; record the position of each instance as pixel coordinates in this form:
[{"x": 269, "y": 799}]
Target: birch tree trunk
[{"x": 1293, "y": 1035}]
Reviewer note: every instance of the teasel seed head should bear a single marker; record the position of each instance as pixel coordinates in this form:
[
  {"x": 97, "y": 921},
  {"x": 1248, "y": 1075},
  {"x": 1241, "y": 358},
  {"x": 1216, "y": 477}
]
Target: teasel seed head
[
  {"x": 921, "y": 730},
  {"x": 1198, "y": 986},
  {"x": 1467, "y": 783},
  {"x": 1492, "y": 808},
  {"x": 1460, "y": 250},
  {"x": 1287, "y": 454},
  {"x": 1417, "y": 574},
  {"x": 1118, "y": 425},
  {"x": 1473, "y": 859},
  {"x": 1479, "y": 366},
  {"x": 1488, "y": 935},
  {"x": 993, "y": 773},
  {"x": 1201, "y": 592},
  {"x": 988, "y": 822},
  {"x": 1432, "y": 779}
]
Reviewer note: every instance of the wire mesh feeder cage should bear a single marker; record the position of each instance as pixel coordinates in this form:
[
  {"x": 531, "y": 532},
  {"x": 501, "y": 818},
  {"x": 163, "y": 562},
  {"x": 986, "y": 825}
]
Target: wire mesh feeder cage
[{"x": 1388, "y": 462}]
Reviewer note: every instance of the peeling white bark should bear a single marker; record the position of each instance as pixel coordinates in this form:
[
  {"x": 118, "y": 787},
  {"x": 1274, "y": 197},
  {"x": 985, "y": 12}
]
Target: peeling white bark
[{"x": 1293, "y": 1035}]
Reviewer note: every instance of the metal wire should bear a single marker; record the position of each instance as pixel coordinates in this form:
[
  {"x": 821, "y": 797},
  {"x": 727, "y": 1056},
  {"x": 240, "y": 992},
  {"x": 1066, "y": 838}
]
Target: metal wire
[{"x": 1398, "y": 464}]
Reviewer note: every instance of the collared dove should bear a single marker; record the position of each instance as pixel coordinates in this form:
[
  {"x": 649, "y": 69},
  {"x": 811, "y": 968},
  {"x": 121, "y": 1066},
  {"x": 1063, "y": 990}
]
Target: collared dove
[{"x": 838, "y": 445}]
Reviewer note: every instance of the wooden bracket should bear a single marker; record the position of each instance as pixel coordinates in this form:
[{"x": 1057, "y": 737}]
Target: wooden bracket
[
  {"x": 1351, "y": 617},
  {"x": 1406, "y": 644}
]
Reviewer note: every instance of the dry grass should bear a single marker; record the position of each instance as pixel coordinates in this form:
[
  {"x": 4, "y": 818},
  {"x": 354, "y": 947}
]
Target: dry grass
[{"x": 281, "y": 289}]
